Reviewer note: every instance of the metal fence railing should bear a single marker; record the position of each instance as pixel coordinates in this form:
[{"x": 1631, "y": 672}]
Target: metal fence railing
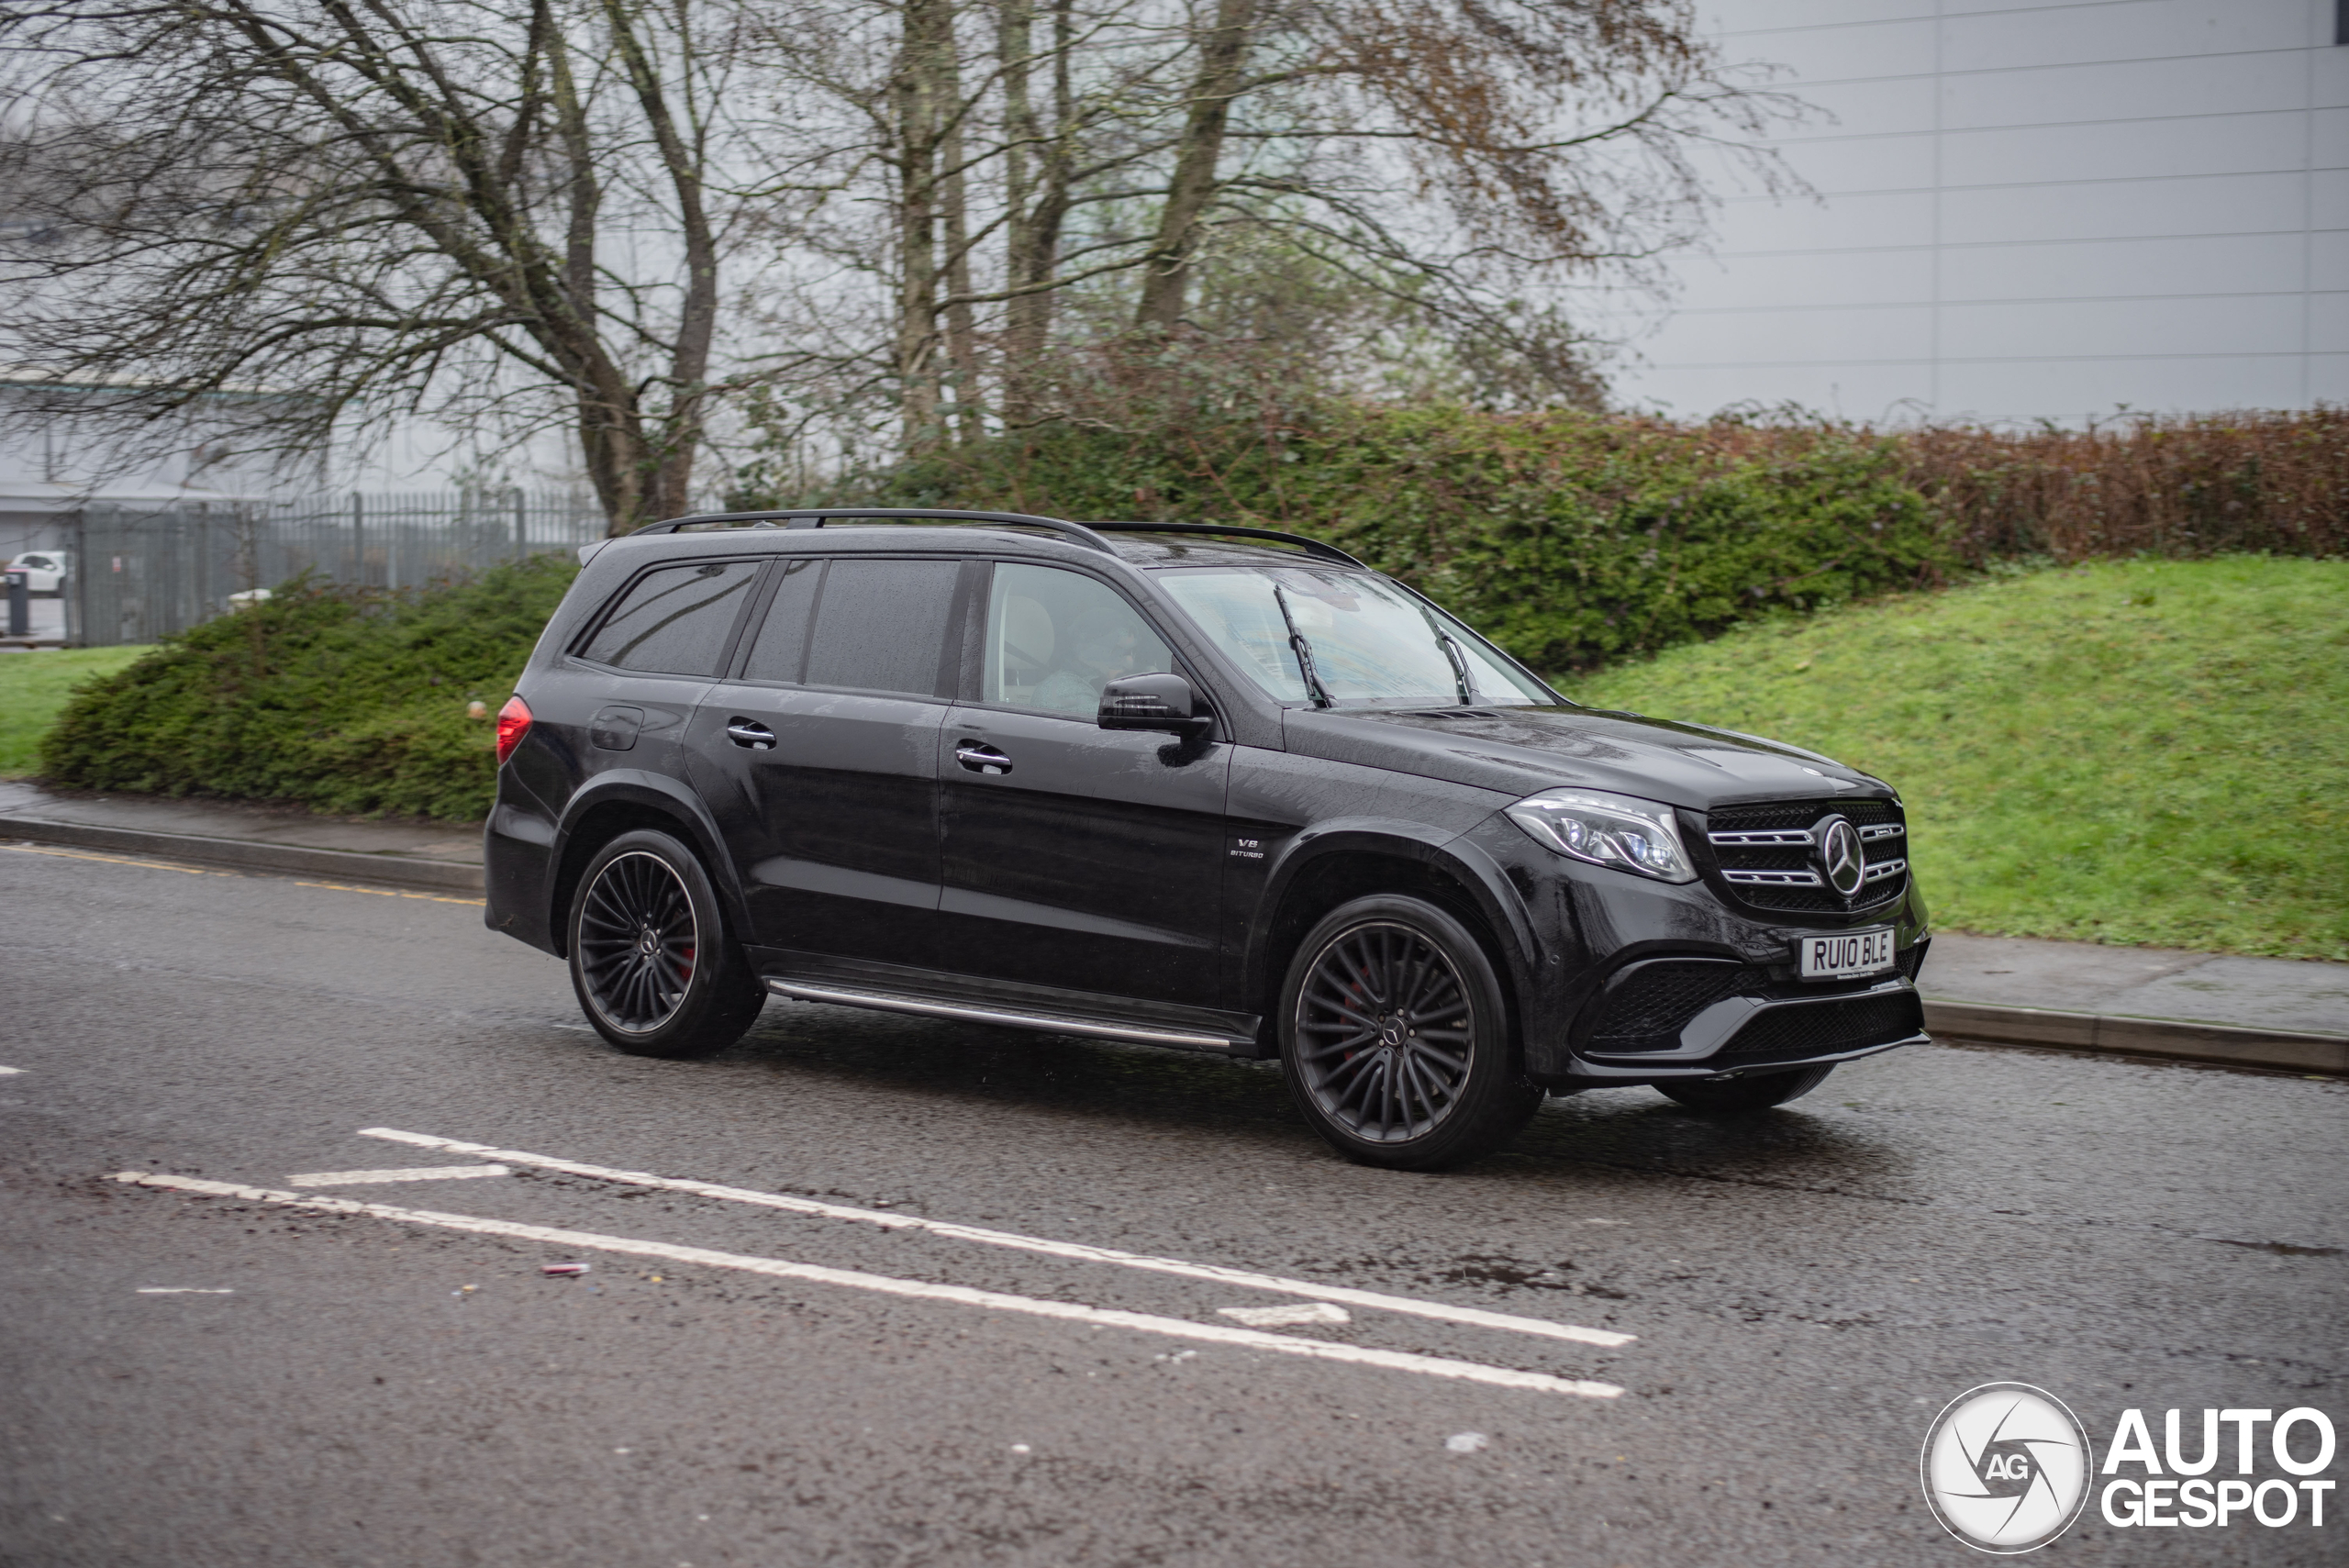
[{"x": 139, "y": 573}]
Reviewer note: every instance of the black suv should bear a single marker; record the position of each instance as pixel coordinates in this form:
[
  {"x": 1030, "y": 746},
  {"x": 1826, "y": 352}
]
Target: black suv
[{"x": 1222, "y": 789}]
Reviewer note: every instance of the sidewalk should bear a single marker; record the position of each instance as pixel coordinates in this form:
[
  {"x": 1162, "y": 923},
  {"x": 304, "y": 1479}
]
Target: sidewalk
[
  {"x": 2204, "y": 1006},
  {"x": 2267, "y": 1012}
]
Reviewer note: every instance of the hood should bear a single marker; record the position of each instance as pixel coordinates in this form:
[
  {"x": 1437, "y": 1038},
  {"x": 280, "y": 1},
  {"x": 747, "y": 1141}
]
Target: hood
[{"x": 1522, "y": 749}]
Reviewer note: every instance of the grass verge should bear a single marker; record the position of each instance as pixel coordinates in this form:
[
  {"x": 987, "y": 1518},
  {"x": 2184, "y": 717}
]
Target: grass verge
[
  {"x": 2146, "y": 752},
  {"x": 33, "y": 690}
]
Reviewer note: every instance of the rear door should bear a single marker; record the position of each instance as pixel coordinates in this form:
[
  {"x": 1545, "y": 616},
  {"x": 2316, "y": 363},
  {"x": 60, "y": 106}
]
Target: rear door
[
  {"x": 1075, "y": 857},
  {"x": 820, "y": 755}
]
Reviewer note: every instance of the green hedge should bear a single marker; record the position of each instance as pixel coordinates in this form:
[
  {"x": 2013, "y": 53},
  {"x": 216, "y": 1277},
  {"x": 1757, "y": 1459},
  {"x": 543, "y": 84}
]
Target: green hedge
[
  {"x": 345, "y": 700},
  {"x": 1577, "y": 539},
  {"x": 1570, "y": 538}
]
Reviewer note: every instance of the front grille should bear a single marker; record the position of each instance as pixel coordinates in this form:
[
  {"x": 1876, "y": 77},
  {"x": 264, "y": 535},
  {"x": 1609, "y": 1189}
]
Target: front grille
[
  {"x": 1649, "y": 1006},
  {"x": 1765, "y": 854},
  {"x": 1817, "y": 1028}
]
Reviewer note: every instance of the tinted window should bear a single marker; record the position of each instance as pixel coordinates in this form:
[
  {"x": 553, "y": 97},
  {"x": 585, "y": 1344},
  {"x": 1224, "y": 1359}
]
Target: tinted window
[
  {"x": 1055, "y": 637},
  {"x": 674, "y": 621},
  {"x": 881, "y": 625},
  {"x": 780, "y": 649}
]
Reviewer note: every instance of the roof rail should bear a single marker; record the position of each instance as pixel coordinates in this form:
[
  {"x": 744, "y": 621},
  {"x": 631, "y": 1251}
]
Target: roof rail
[
  {"x": 1312, "y": 546},
  {"x": 817, "y": 517}
]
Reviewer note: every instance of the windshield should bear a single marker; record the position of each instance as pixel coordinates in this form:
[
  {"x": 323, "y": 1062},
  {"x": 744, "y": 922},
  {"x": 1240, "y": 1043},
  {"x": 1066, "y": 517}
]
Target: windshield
[{"x": 1364, "y": 640}]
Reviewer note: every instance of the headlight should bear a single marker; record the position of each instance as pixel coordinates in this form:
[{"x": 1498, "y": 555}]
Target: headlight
[{"x": 1607, "y": 831}]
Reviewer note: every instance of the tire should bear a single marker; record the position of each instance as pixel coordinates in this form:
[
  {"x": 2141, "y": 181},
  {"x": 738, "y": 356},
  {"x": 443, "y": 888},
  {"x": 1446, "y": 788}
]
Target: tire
[
  {"x": 1396, "y": 1037},
  {"x": 652, "y": 961},
  {"x": 1743, "y": 1096}
]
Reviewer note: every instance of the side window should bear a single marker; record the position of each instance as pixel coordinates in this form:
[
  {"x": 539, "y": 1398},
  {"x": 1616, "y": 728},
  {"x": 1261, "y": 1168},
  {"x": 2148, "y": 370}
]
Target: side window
[
  {"x": 674, "y": 620},
  {"x": 1055, "y": 639},
  {"x": 881, "y": 625},
  {"x": 779, "y": 653}
]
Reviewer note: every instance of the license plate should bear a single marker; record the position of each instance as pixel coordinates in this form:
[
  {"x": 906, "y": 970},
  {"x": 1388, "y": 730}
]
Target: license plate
[{"x": 1847, "y": 956}]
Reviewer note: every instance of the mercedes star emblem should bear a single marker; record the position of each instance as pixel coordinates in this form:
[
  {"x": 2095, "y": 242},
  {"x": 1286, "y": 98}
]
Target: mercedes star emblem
[{"x": 1839, "y": 856}]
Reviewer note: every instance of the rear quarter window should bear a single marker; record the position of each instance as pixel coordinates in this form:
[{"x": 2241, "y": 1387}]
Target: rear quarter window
[{"x": 673, "y": 620}]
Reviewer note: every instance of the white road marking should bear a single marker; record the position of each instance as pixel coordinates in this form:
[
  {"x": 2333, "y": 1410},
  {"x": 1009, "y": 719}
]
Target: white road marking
[
  {"x": 1474, "y": 1316},
  {"x": 6, "y": 1072},
  {"x": 406, "y": 1173},
  {"x": 182, "y": 1290},
  {"x": 1304, "y": 1312},
  {"x": 1099, "y": 1317}
]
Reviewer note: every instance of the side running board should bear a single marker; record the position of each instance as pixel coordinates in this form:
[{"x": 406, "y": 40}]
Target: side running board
[{"x": 1008, "y": 1018}]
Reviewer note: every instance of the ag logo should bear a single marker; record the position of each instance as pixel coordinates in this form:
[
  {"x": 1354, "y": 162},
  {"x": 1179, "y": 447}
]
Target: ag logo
[
  {"x": 1839, "y": 856},
  {"x": 2006, "y": 1467}
]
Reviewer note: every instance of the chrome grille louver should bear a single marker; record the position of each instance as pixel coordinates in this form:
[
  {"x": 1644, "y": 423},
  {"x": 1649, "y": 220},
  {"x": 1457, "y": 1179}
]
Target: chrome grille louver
[{"x": 1765, "y": 854}]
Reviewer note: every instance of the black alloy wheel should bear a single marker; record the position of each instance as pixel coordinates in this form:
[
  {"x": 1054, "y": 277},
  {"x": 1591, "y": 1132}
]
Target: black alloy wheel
[
  {"x": 1743, "y": 1096},
  {"x": 638, "y": 941},
  {"x": 1395, "y": 1039},
  {"x": 655, "y": 970}
]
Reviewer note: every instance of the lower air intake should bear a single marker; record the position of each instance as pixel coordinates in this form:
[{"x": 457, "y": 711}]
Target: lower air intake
[{"x": 1845, "y": 1023}]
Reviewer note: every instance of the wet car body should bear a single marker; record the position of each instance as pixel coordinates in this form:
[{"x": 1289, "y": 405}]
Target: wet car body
[{"x": 929, "y": 852}]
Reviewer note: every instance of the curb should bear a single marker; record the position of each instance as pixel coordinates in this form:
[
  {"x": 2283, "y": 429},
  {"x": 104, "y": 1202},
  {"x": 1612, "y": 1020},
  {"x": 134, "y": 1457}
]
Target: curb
[
  {"x": 2111, "y": 1034},
  {"x": 405, "y": 871}
]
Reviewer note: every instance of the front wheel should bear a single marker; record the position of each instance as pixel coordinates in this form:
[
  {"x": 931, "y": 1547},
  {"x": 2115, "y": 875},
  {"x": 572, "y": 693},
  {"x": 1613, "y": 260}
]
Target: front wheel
[
  {"x": 1741, "y": 1096},
  {"x": 1396, "y": 1037},
  {"x": 654, "y": 968}
]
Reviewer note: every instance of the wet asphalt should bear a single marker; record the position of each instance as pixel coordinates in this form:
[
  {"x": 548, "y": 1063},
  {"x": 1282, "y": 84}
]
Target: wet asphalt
[{"x": 1808, "y": 1288}]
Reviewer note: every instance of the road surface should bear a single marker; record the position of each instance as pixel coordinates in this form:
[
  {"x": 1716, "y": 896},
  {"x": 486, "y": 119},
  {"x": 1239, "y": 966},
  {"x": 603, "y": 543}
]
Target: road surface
[{"x": 911, "y": 1293}]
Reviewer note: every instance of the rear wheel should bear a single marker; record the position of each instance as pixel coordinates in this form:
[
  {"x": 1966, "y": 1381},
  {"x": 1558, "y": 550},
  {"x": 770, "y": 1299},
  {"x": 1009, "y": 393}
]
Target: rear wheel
[
  {"x": 655, "y": 970},
  {"x": 1741, "y": 1096},
  {"x": 1396, "y": 1037}
]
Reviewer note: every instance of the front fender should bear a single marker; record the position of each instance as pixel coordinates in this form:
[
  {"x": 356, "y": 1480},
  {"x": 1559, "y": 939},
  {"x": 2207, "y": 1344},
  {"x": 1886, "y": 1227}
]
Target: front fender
[{"x": 1451, "y": 856}]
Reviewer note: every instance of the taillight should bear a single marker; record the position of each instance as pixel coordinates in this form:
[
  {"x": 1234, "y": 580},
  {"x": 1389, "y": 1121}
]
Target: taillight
[{"x": 513, "y": 723}]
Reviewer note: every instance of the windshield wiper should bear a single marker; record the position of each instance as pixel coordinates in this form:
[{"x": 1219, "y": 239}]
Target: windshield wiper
[
  {"x": 1452, "y": 656},
  {"x": 1303, "y": 650}
]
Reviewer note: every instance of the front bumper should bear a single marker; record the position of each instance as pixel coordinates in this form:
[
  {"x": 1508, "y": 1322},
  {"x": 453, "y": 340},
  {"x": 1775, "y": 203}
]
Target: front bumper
[
  {"x": 1744, "y": 1034},
  {"x": 1743, "y": 1007}
]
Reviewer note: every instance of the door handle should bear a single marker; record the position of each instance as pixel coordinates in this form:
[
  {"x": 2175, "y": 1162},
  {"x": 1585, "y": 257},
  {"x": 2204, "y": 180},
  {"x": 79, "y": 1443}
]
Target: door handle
[
  {"x": 746, "y": 733},
  {"x": 980, "y": 758}
]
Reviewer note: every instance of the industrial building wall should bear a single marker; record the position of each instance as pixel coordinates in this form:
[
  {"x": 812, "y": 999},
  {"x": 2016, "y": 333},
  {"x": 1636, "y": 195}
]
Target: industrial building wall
[{"x": 2032, "y": 209}]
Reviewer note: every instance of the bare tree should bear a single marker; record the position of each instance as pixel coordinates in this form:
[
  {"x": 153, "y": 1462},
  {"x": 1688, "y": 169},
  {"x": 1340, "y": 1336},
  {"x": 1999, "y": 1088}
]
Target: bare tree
[
  {"x": 1220, "y": 77},
  {"x": 1551, "y": 135},
  {"x": 383, "y": 206},
  {"x": 647, "y": 220},
  {"x": 1445, "y": 157}
]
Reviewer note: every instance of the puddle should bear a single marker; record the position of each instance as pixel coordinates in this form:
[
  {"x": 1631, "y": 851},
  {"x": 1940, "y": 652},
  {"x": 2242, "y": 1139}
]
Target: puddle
[{"x": 2284, "y": 1248}]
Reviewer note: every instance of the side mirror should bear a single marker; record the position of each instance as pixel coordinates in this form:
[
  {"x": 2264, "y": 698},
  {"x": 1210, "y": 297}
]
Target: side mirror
[{"x": 1153, "y": 702}]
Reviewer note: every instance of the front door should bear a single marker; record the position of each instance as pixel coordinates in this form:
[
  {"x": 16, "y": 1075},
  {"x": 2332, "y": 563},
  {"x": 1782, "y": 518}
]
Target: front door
[
  {"x": 822, "y": 752},
  {"x": 1075, "y": 857}
]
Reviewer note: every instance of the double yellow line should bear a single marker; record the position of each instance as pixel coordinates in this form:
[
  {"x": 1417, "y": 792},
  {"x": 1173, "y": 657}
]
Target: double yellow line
[{"x": 206, "y": 870}]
